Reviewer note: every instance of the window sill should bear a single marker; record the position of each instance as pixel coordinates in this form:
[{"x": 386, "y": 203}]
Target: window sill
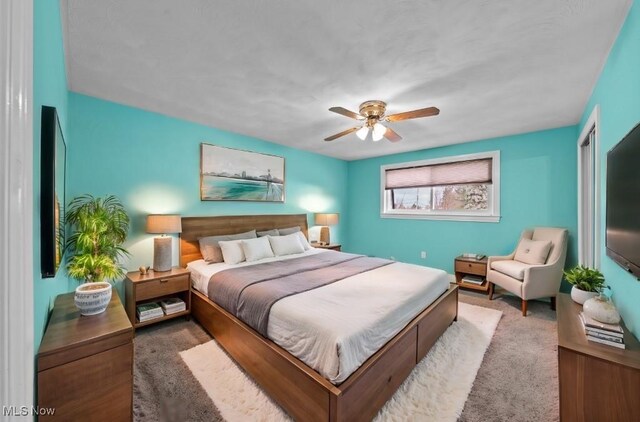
[{"x": 445, "y": 217}]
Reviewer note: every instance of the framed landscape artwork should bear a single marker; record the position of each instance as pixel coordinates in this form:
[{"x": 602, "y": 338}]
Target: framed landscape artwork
[{"x": 228, "y": 174}]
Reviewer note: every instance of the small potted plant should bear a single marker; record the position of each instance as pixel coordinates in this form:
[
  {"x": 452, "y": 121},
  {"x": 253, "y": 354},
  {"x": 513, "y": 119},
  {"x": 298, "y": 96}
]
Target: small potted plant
[
  {"x": 99, "y": 227},
  {"x": 587, "y": 283}
]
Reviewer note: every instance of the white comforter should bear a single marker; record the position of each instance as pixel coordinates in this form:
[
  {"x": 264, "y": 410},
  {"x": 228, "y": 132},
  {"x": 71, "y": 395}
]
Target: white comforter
[{"x": 337, "y": 327}]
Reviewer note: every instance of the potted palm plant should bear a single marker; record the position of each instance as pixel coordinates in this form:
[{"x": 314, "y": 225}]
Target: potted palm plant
[
  {"x": 587, "y": 283},
  {"x": 99, "y": 228}
]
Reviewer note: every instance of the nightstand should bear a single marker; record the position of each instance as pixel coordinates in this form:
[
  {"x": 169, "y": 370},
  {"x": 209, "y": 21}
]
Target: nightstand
[
  {"x": 85, "y": 363},
  {"x": 332, "y": 246},
  {"x": 473, "y": 267},
  {"x": 155, "y": 286}
]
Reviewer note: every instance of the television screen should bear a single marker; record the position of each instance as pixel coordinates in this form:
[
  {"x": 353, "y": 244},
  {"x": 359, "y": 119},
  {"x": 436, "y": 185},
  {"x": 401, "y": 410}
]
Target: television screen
[
  {"x": 623, "y": 202},
  {"x": 52, "y": 193}
]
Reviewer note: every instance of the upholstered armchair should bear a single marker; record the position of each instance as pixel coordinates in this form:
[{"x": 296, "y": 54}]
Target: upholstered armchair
[{"x": 534, "y": 269}]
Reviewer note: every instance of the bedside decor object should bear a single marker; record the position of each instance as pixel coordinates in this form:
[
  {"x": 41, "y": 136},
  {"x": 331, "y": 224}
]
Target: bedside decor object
[
  {"x": 602, "y": 309},
  {"x": 228, "y": 174},
  {"x": 144, "y": 270},
  {"x": 99, "y": 227},
  {"x": 587, "y": 283},
  {"x": 325, "y": 220},
  {"x": 52, "y": 193},
  {"x": 162, "y": 251}
]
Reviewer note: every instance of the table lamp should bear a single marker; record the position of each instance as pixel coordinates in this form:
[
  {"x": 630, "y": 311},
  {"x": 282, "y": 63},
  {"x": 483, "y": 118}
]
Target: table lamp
[
  {"x": 163, "y": 224},
  {"x": 325, "y": 220}
]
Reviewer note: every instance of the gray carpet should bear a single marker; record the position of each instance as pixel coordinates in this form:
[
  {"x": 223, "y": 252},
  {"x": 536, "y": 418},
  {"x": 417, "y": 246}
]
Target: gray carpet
[{"x": 516, "y": 382}]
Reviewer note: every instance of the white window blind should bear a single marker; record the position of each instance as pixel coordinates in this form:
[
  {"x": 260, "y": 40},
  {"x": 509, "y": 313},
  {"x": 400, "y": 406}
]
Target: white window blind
[{"x": 453, "y": 173}]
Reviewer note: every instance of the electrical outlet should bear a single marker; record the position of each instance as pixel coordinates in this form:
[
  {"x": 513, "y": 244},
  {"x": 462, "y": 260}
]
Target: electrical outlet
[{"x": 423, "y": 254}]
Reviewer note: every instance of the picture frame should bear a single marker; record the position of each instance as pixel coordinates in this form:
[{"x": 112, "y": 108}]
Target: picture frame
[{"x": 228, "y": 174}]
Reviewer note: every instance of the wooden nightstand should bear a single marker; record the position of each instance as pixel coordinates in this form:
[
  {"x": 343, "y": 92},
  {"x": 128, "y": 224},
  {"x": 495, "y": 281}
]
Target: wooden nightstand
[
  {"x": 471, "y": 266},
  {"x": 85, "y": 363},
  {"x": 332, "y": 246},
  {"x": 155, "y": 286}
]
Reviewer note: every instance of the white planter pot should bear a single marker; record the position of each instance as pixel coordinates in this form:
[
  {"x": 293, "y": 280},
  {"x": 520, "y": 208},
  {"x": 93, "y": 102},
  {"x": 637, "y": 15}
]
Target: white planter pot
[
  {"x": 580, "y": 296},
  {"x": 93, "y": 298},
  {"x": 602, "y": 310}
]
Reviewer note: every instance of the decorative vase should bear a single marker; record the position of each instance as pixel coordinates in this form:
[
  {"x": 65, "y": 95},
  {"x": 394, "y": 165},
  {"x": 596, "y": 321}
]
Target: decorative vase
[
  {"x": 601, "y": 309},
  {"x": 580, "y": 296},
  {"x": 93, "y": 298}
]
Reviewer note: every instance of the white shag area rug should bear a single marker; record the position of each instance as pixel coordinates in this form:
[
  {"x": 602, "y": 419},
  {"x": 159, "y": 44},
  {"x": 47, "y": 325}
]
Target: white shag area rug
[{"x": 436, "y": 389}]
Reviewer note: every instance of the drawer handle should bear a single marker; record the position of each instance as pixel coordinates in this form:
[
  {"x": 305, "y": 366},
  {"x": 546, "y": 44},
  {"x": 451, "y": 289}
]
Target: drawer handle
[
  {"x": 164, "y": 280},
  {"x": 469, "y": 264}
]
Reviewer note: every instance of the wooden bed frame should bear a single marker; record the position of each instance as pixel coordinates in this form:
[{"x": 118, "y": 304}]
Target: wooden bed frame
[{"x": 300, "y": 390}]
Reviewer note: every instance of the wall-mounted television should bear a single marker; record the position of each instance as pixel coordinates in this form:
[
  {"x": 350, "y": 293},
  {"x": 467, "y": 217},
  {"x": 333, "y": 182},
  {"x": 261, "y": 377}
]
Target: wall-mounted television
[
  {"x": 623, "y": 202},
  {"x": 52, "y": 192}
]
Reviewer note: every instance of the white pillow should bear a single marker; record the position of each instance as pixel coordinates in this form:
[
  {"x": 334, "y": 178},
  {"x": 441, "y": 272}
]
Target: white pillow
[
  {"x": 303, "y": 241},
  {"x": 232, "y": 252},
  {"x": 256, "y": 249},
  {"x": 286, "y": 245},
  {"x": 534, "y": 252}
]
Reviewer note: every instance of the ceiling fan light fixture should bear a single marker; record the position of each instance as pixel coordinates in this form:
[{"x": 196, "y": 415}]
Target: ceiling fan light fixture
[
  {"x": 363, "y": 132},
  {"x": 378, "y": 131}
]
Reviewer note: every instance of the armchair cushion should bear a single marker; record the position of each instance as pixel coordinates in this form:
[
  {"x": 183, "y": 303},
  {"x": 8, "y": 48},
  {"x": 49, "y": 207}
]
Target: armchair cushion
[
  {"x": 514, "y": 269},
  {"x": 533, "y": 251}
]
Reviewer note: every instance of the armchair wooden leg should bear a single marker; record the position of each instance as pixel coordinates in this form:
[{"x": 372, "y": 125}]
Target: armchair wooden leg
[
  {"x": 553, "y": 303},
  {"x": 524, "y": 308},
  {"x": 490, "y": 290}
]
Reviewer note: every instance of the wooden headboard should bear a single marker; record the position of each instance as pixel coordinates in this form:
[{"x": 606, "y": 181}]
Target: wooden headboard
[{"x": 194, "y": 228}]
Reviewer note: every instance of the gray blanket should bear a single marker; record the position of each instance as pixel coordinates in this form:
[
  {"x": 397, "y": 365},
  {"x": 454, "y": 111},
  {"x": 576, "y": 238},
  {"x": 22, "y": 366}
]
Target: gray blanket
[{"x": 250, "y": 292}]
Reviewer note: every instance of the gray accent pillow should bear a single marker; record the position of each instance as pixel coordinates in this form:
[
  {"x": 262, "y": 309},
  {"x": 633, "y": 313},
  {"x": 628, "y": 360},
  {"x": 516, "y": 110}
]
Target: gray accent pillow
[
  {"x": 210, "y": 249},
  {"x": 272, "y": 232},
  {"x": 290, "y": 230}
]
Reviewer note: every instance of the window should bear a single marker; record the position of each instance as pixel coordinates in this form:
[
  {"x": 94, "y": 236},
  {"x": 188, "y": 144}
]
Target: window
[{"x": 465, "y": 188}]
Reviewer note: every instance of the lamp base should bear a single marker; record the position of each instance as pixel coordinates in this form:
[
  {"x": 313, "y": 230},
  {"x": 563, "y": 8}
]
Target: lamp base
[
  {"x": 162, "y": 253},
  {"x": 324, "y": 235}
]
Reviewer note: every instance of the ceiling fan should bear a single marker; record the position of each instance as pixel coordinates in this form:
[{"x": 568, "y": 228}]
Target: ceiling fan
[{"x": 372, "y": 114}]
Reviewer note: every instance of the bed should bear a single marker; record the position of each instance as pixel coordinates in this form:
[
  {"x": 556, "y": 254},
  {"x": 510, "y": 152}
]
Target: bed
[{"x": 347, "y": 393}]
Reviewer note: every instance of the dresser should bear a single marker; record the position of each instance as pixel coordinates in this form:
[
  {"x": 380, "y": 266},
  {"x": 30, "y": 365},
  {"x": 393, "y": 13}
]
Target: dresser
[
  {"x": 85, "y": 363},
  {"x": 597, "y": 382}
]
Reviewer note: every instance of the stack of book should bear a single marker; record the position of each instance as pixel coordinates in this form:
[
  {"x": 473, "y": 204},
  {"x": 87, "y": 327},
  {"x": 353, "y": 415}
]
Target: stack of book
[
  {"x": 148, "y": 311},
  {"x": 173, "y": 305},
  {"x": 473, "y": 279},
  {"x": 599, "y": 332}
]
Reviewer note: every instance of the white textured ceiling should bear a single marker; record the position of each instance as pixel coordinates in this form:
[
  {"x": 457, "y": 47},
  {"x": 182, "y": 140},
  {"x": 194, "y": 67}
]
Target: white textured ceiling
[{"x": 271, "y": 69}]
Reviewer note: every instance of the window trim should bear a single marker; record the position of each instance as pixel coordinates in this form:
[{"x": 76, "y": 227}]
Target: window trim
[
  {"x": 592, "y": 124},
  {"x": 484, "y": 217}
]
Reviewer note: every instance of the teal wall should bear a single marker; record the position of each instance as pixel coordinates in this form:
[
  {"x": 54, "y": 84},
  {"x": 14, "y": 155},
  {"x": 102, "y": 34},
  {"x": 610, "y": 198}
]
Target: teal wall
[
  {"x": 538, "y": 188},
  {"x": 49, "y": 88},
  {"x": 151, "y": 162},
  {"x": 618, "y": 95}
]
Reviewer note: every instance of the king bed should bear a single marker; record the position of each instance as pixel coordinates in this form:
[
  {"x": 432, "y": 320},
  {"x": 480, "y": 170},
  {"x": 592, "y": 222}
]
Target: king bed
[{"x": 335, "y": 352}]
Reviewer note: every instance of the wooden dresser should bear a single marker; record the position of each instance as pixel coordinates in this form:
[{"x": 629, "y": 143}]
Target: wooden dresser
[
  {"x": 597, "y": 382},
  {"x": 85, "y": 363}
]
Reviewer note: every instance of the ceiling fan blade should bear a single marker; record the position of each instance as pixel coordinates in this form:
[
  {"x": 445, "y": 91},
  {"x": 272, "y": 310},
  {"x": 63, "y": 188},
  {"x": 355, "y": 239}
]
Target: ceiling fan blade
[
  {"x": 423, "y": 112},
  {"x": 343, "y": 133},
  {"x": 345, "y": 112},
  {"x": 392, "y": 135}
]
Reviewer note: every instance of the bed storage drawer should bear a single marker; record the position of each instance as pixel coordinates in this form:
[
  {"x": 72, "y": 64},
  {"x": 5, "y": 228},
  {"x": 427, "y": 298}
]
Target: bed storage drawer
[
  {"x": 471, "y": 268},
  {"x": 161, "y": 287}
]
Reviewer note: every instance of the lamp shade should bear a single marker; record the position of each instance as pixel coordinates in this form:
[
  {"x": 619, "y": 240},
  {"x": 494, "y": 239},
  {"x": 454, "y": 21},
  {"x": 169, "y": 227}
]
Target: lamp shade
[
  {"x": 326, "y": 219},
  {"x": 164, "y": 223}
]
